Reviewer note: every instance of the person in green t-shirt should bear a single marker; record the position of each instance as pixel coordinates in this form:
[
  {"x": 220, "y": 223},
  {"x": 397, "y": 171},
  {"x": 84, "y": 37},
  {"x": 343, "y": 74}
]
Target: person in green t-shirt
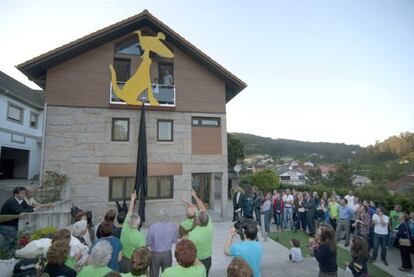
[
  {"x": 141, "y": 260},
  {"x": 202, "y": 234},
  {"x": 188, "y": 265},
  {"x": 98, "y": 259},
  {"x": 394, "y": 222},
  {"x": 131, "y": 238},
  {"x": 333, "y": 208},
  {"x": 189, "y": 223}
]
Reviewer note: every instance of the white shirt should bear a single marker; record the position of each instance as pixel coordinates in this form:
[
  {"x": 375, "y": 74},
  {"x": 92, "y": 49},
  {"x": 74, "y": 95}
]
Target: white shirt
[
  {"x": 238, "y": 197},
  {"x": 378, "y": 227},
  {"x": 296, "y": 254},
  {"x": 350, "y": 199},
  {"x": 288, "y": 198},
  {"x": 18, "y": 200}
]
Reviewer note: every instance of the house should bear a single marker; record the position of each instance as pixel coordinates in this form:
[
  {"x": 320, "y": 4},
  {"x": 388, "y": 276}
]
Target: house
[
  {"x": 404, "y": 184},
  {"x": 92, "y": 132},
  {"x": 293, "y": 176},
  {"x": 308, "y": 164},
  {"x": 360, "y": 181},
  {"x": 326, "y": 169},
  {"x": 21, "y": 130}
]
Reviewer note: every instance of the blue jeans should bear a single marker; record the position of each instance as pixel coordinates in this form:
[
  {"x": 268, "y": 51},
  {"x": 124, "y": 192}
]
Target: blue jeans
[
  {"x": 288, "y": 217},
  {"x": 380, "y": 240},
  {"x": 301, "y": 221},
  {"x": 10, "y": 234},
  {"x": 278, "y": 219}
]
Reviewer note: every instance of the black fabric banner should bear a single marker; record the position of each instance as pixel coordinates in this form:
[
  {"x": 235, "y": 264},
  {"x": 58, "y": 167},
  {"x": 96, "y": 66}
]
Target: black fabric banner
[{"x": 141, "y": 172}]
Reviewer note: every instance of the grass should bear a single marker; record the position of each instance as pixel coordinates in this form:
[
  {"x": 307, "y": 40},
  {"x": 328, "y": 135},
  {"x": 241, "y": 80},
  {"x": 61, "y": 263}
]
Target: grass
[{"x": 343, "y": 255}]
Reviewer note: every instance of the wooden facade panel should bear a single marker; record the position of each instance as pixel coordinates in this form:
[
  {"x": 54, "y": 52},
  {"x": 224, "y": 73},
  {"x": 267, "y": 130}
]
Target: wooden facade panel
[
  {"x": 206, "y": 141},
  {"x": 129, "y": 169},
  {"x": 197, "y": 89},
  {"x": 85, "y": 81},
  {"x": 81, "y": 81}
]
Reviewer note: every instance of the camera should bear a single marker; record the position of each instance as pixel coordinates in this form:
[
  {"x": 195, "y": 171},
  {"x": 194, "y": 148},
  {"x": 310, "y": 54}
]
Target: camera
[{"x": 240, "y": 224}]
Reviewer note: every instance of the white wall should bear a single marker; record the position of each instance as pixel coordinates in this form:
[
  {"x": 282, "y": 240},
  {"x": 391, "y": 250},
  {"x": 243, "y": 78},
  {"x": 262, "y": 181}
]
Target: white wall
[{"x": 32, "y": 136}]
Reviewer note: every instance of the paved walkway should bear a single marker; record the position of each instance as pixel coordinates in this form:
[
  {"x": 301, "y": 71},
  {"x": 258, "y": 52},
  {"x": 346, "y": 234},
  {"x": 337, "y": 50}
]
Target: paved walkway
[{"x": 275, "y": 260}]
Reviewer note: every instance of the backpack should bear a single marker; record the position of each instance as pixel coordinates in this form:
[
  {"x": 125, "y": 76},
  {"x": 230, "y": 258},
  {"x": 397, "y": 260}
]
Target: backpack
[{"x": 29, "y": 267}]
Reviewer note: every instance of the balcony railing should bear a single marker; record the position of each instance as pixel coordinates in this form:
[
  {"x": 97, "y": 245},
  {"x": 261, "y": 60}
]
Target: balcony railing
[{"x": 165, "y": 95}]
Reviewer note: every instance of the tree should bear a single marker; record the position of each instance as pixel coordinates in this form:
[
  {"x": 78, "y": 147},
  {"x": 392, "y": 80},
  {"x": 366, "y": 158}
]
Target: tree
[
  {"x": 235, "y": 151},
  {"x": 265, "y": 180},
  {"x": 341, "y": 178},
  {"x": 314, "y": 176}
]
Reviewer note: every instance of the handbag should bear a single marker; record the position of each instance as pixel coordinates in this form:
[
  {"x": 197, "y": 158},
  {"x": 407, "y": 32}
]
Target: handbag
[{"x": 406, "y": 242}]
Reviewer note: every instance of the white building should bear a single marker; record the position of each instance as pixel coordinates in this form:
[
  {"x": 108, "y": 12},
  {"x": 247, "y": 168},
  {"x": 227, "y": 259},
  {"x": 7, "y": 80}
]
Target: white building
[
  {"x": 360, "y": 181},
  {"x": 293, "y": 177},
  {"x": 21, "y": 129}
]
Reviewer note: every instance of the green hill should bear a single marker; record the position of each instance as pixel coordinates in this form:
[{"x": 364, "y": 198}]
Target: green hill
[{"x": 314, "y": 151}]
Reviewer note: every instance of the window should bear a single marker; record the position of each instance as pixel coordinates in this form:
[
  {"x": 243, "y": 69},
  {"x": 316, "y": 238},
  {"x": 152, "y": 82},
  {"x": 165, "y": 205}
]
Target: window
[
  {"x": 166, "y": 74},
  {"x": 206, "y": 121},
  {"x": 33, "y": 119},
  {"x": 120, "y": 129},
  {"x": 129, "y": 47},
  {"x": 15, "y": 113},
  {"x": 160, "y": 187},
  {"x": 164, "y": 130},
  {"x": 120, "y": 188},
  {"x": 123, "y": 69}
]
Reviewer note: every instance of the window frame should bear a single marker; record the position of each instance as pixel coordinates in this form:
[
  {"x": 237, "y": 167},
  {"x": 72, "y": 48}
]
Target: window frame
[
  {"x": 124, "y": 182},
  {"x": 36, "y": 122},
  {"x": 171, "y": 196},
  {"x": 124, "y": 187},
  {"x": 200, "y": 121},
  {"x": 112, "y": 129},
  {"x": 158, "y": 130},
  {"x": 20, "y": 108}
]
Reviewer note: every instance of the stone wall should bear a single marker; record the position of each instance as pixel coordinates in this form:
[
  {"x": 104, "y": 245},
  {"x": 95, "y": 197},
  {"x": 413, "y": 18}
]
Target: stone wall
[{"x": 77, "y": 140}]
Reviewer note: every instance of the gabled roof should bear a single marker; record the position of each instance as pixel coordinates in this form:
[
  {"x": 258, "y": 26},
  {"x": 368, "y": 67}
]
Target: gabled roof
[
  {"x": 16, "y": 90},
  {"x": 37, "y": 67}
]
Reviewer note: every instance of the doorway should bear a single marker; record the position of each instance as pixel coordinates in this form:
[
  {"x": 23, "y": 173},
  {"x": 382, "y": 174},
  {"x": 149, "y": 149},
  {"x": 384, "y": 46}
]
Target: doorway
[
  {"x": 14, "y": 163},
  {"x": 201, "y": 185}
]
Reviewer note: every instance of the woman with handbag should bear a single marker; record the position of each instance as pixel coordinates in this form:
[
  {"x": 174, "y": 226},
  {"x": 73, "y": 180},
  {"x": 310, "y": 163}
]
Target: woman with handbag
[{"x": 405, "y": 241}]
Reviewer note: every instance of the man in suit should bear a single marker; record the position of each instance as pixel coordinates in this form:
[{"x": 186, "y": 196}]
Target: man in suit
[
  {"x": 13, "y": 206},
  {"x": 238, "y": 199}
]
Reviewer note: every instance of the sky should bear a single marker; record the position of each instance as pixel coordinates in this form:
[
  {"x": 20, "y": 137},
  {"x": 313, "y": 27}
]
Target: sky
[{"x": 332, "y": 71}]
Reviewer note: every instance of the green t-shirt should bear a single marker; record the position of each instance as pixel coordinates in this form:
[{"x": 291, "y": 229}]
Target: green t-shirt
[
  {"x": 187, "y": 223},
  {"x": 130, "y": 275},
  {"x": 203, "y": 239},
  {"x": 89, "y": 271},
  {"x": 333, "y": 210},
  {"x": 179, "y": 271},
  {"x": 131, "y": 239},
  {"x": 394, "y": 215},
  {"x": 70, "y": 262}
]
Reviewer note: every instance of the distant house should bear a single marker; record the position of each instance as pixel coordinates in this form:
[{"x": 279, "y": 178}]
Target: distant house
[
  {"x": 326, "y": 169},
  {"x": 293, "y": 176},
  {"x": 401, "y": 185},
  {"x": 310, "y": 164},
  {"x": 21, "y": 129},
  {"x": 360, "y": 181}
]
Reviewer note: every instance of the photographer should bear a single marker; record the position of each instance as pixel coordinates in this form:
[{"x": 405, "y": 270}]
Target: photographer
[{"x": 249, "y": 249}]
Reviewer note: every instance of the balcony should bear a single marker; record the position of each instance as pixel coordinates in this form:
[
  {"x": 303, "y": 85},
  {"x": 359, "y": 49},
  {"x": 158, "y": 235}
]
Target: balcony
[{"x": 165, "y": 95}]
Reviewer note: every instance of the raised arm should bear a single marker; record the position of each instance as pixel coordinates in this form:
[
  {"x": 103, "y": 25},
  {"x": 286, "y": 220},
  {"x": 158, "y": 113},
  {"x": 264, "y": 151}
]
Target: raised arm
[
  {"x": 132, "y": 203},
  {"x": 232, "y": 233},
  {"x": 187, "y": 203},
  {"x": 199, "y": 203}
]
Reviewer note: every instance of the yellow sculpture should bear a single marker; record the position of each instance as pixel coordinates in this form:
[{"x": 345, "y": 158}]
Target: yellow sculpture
[{"x": 141, "y": 80}]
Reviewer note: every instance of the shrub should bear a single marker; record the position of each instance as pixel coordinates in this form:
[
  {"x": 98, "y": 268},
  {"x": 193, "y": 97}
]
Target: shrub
[{"x": 46, "y": 232}]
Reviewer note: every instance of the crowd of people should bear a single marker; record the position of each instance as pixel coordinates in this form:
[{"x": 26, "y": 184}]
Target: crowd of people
[
  {"x": 117, "y": 246},
  {"x": 329, "y": 219}
]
